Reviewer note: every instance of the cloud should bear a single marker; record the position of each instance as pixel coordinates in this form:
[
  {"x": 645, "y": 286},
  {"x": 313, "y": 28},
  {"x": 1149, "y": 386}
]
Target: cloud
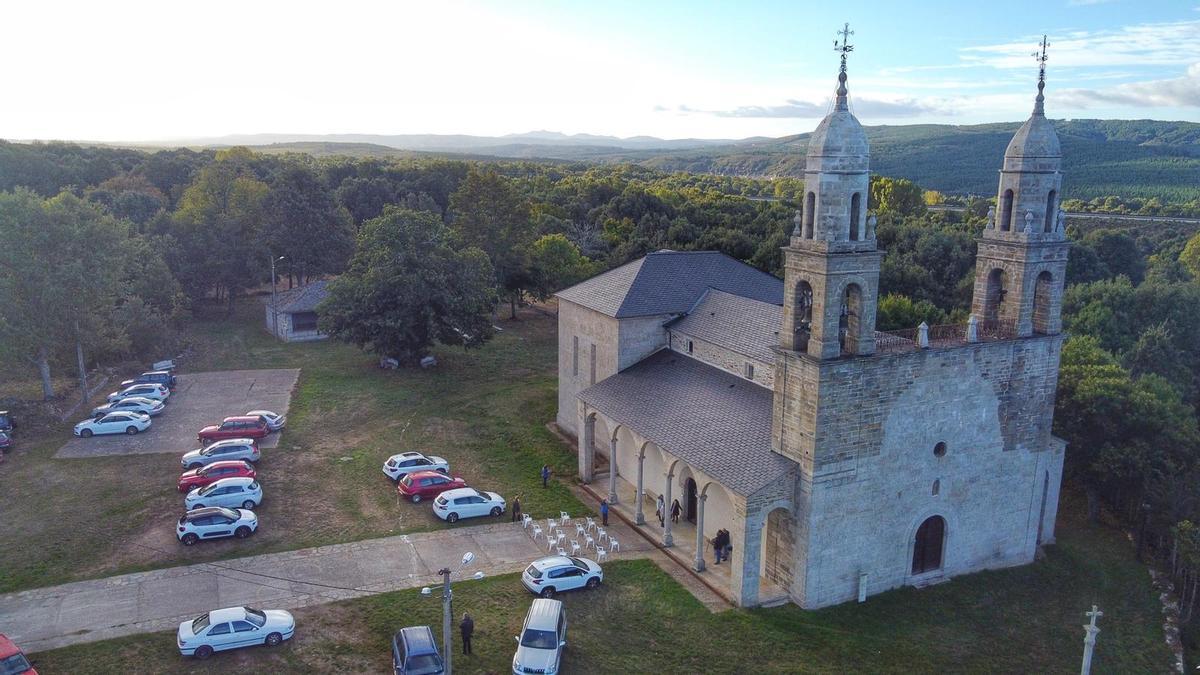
[
  {"x": 798, "y": 109},
  {"x": 1178, "y": 92},
  {"x": 1147, "y": 44}
]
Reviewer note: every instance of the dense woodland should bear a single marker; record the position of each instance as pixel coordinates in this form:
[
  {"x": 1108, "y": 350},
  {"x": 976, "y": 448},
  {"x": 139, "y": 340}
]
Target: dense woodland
[{"x": 105, "y": 248}]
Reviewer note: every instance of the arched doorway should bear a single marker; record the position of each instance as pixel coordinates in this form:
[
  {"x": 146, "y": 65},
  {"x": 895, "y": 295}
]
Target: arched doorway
[
  {"x": 848, "y": 322},
  {"x": 1043, "y": 290},
  {"x": 994, "y": 302},
  {"x": 689, "y": 492},
  {"x": 927, "y": 548}
]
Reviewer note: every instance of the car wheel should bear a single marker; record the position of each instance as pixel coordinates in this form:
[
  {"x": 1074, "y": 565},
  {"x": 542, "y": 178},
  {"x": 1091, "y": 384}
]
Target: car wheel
[
  {"x": 443, "y": 471},
  {"x": 196, "y": 506},
  {"x": 547, "y": 592},
  {"x": 203, "y": 652},
  {"x": 194, "y": 465},
  {"x": 131, "y": 430},
  {"x": 274, "y": 639},
  {"x": 593, "y": 582},
  {"x": 248, "y": 505},
  {"x": 86, "y": 433},
  {"x": 242, "y": 532},
  {"x": 416, "y": 498},
  {"x": 452, "y": 518},
  {"x": 190, "y": 539},
  {"x": 496, "y": 510}
]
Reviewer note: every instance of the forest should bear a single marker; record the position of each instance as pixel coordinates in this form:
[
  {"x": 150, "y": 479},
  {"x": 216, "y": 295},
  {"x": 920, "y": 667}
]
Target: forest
[{"x": 106, "y": 247}]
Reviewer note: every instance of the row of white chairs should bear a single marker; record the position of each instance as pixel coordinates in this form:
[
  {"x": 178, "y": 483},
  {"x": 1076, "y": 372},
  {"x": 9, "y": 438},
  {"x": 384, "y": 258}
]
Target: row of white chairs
[{"x": 555, "y": 536}]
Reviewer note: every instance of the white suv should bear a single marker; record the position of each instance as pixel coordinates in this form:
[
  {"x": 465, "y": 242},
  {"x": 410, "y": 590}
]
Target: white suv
[
  {"x": 559, "y": 573},
  {"x": 214, "y": 523},
  {"x": 541, "y": 642},
  {"x": 467, "y": 503},
  {"x": 398, "y": 466},
  {"x": 235, "y": 492}
]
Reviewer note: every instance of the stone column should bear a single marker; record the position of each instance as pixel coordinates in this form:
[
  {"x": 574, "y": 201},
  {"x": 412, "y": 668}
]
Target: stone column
[
  {"x": 699, "y": 563},
  {"x": 612, "y": 471},
  {"x": 638, "y": 517},
  {"x": 667, "y": 539},
  {"x": 587, "y": 432}
]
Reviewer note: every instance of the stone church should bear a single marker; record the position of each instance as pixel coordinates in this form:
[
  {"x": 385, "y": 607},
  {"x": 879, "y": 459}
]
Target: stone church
[{"x": 843, "y": 460}]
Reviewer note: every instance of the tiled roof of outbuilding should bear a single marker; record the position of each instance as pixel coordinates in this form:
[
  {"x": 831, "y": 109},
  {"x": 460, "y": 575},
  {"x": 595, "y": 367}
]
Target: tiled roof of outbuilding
[
  {"x": 748, "y": 327},
  {"x": 716, "y": 422},
  {"x": 670, "y": 282},
  {"x": 302, "y": 299}
]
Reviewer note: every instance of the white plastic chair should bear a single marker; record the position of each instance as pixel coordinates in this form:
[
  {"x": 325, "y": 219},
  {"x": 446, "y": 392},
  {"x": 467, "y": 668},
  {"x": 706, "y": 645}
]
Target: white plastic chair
[
  {"x": 551, "y": 524},
  {"x": 526, "y": 519},
  {"x": 601, "y": 534},
  {"x": 591, "y": 524},
  {"x": 561, "y": 551},
  {"x": 563, "y": 517},
  {"x": 613, "y": 545},
  {"x": 537, "y": 532},
  {"x": 601, "y": 555},
  {"x": 575, "y": 548},
  {"x": 588, "y": 541},
  {"x": 579, "y": 529}
]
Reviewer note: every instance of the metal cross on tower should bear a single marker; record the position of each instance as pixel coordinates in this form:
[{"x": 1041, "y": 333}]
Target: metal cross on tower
[
  {"x": 1041, "y": 59},
  {"x": 844, "y": 45}
]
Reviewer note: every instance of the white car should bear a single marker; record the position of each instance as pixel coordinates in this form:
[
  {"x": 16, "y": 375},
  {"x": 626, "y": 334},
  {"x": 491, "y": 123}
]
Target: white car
[
  {"x": 145, "y": 390},
  {"x": 558, "y": 573},
  {"x": 215, "y": 523},
  {"x": 229, "y": 448},
  {"x": 235, "y": 492},
  {"x": 140, "y": 404},
  {"x": 398, "y": 466},
  {"x": 234, "y": 627},
  {"x": 542, "y": 639},
  {"x": 467, "y": 503},
  {"x": 274, "y": 421},
  {"x": 113, "y": 423}
]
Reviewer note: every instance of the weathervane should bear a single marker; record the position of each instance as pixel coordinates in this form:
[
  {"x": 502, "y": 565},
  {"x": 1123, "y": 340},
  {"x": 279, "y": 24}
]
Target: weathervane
[
  {"x": 1040, "y": 56},
  {"x": 845, "y": 48}
]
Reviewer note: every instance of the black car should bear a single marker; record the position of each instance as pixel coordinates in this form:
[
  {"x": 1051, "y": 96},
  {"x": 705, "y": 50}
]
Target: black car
[
  {"x": 6, "y": 421},
  {"x": 414, "y": 652},
  {"x": 163, "y": 377},
  {"x": 5, "y": 442}
]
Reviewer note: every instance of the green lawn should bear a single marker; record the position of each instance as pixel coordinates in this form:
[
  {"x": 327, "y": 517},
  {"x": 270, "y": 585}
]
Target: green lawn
[
  {"x": 483, "y": 409},
  {"x": 641, "y": 621}
]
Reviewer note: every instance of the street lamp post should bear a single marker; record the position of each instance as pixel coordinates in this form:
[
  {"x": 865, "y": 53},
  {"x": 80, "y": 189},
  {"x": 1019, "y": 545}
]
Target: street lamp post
[
  {"x": 274, "y": 298},
  {"x": 448, "y": 607}
]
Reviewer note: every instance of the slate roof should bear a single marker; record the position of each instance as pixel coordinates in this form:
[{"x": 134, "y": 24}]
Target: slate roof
[
  {"x": 670, "y": 282},
  {"x": 716, "y": 422},
  {"x": 301, "y": 299},
  {"x": 748, "y": 327}
]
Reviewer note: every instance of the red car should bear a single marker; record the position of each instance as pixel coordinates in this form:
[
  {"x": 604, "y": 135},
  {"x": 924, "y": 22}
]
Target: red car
[
  {"x": 234, "y": 427},
  {"x": 12, "y": 661},
  {"x": 427, "y": 484},
  {"x": 215, "y": 472}
]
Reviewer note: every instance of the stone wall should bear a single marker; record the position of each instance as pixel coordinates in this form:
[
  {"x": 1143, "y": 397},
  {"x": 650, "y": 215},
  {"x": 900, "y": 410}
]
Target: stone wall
[{"x": 723, "y": 358}]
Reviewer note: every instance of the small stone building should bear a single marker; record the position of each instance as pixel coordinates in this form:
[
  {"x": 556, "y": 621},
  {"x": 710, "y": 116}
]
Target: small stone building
[
  {"x": 844, "y": 461},
  {"x": 297, "y": 312}
]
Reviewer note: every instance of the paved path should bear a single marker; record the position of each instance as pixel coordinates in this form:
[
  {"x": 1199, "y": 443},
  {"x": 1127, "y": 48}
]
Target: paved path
[{"x": 87, "y": 611}]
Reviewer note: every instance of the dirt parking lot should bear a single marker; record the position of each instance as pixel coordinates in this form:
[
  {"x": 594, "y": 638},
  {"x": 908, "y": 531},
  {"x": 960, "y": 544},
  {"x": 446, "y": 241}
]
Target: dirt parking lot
[{"x": 201, "y": 399}]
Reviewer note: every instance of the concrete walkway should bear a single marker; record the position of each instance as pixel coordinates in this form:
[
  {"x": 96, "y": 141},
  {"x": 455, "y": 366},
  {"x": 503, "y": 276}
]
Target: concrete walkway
[{"x": 87, "y": 611}]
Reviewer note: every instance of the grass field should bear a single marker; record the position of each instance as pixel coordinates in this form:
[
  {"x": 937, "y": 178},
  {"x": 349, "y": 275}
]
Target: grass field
[
  {"x": 1021, "y": 620},
  {"x": 484, "y": 410}
]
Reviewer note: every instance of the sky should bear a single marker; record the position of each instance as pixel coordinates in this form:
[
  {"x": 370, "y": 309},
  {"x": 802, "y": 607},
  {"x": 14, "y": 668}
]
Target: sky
[{"x": 144, "y": 71}]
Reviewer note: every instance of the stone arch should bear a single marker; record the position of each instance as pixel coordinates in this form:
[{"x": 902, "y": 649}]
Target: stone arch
[
  {"x": 929, "y": 546},
  {"x": 810, "y": 214},
  {"x": 997, "y": 289},
  {"x": 855, "y": 215},
  {"x": 1006, "y": 210},
  {"x": 1051, "y": 211},
  {"x": 777, "y": 562},
  {"x": 1043, "y": 298},
  {"x": 946, "y": 553}
]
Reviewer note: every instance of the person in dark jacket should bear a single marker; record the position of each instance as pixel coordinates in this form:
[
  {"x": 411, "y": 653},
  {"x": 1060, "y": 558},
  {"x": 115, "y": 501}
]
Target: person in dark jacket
[
  {"x": 604, "y": 512},
  {"x": 467, "y": 627},
  {"x": 718, "y": 543},
  {"x": 676, "y": 509},
  {"x": 516, "y": 508},
  {"x": 545, "y": 474}
]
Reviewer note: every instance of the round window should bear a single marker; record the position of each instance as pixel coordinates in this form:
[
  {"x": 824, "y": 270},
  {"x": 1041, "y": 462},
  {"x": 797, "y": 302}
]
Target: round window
[{"x": 939, "y": 450}]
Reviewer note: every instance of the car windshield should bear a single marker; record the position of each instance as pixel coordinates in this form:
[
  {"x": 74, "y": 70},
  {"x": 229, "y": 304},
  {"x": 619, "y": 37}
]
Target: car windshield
[
  {"x": 539, "y": 639},
  {"x": 534, "y": 572},
  {"x": 255, "y": 616},
  {"x": 423, "y": 664},
  {"x": 208, "y": 488},
  {"x": 407, "y": 480},
  {"x": 199, "y": 623},
  {"x": 17, "y": 663},
  {"x": 578, "y": 563},
  {"x": 228, "y": 513}
]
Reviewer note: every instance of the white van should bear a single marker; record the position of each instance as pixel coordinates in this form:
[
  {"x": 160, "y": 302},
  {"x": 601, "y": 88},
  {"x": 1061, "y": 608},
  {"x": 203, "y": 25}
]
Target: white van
[{"x": 542, "y": 639}]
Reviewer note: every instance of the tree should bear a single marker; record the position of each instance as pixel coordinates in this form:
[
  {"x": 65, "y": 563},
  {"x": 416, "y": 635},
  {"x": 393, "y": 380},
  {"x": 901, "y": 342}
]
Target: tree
[
  {"x": 898, "y": 312},
  {"x": 556, "y": 263},
  {"x": 897, "y": 195},
  {"x": 304, "y": 223},
  {"x": 488, "y": 213},
  {"x": 1119, "y": 252},
  {"x": 1190, "y": 256},
  {"x": 409, "y": 284}
]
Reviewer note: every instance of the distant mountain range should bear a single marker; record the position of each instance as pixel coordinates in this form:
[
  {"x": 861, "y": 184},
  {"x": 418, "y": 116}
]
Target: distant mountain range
[{"x": 1131, "y": 158}]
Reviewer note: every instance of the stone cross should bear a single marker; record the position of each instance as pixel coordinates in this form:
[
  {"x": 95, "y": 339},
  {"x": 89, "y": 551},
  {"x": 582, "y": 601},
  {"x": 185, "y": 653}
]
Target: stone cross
[{"x": 1089, "y": 640}]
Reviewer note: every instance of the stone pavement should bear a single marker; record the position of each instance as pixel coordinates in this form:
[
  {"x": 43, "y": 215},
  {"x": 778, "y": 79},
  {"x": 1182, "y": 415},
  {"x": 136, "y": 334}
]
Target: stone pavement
[{"x": 87, "y": 611}]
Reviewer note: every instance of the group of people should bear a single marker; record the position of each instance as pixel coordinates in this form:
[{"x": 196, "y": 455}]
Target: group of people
[
  {"x": 721, "y": 546},
  {"x": 659, "y": 511}
]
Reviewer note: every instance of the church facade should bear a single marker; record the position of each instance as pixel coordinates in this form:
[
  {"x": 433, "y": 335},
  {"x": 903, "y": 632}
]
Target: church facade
[{"x": 844, "y": 461}]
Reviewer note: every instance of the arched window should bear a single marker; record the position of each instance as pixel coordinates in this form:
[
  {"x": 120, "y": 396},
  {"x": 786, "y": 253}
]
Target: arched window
[
  {"x": 1006, "y": 211},
  {"x": 1051, "y": 212},
  {"x": 1043, "y": 290},
  {"x": 810, "y": 214},
  {"x": 851, "y": 316},
  {"x": 996, "y": 290},
  {"x": 927, "y": 549},
  {"x": 803, "y": 316},
  {"x": 855, "y": 213}
]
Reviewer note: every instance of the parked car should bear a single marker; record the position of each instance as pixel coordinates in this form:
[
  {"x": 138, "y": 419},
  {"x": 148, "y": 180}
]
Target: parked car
[
  {"x": 149, "y": 390},
  {"x": 229, "y": 492},
  {"x": 207, "y": 475},
  {"x": 162, "y": 377},
  {"x": 542, "y": 639},
  {"x": 234, "y": 627},
  {"x": 228, "y": 449},
  {"x": 113, "y": 423},
  {"x": 415, "y": 652},
  {"x": 215, "y": 522},
  {"x": 558, "y": 573},
  {"x": 6, "y": 421},
  {"x": 13, "y": 662},
  {"x": 397, "y": 466},
  {"x": 234, "y": 427},
  {"x": 467, "y": 503},
  {"x": 140, "y": 404},
  {"x": 5, "y": 445},
  {"x": 274, "y": 421},
  {"x": 420, "y": 485}
]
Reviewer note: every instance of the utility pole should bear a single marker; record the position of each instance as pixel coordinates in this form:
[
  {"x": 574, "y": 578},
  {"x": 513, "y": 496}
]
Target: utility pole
[
  {"x": 274, "y": 298},
  {"x": 1089, "y": 640},
  {"x": 447, "y": 617}
]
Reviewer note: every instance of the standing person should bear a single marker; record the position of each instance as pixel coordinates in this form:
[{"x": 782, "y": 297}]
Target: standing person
[
  {"x": 718, "y": 543},
  {"x": 659, "y": 511},
  {"x": 545, "y": 474},
  {"x": 604, "y": 512},
  {"x": 676, "y": 509},
  {"x": 467, "y": 627},
  {"x": 516, "y": 508}
]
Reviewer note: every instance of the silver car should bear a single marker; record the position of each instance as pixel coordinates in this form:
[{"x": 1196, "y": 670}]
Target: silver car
[
  {"x": 132, "y": 404},
  {"x": 230, "y": 448},
  {"x": 274, "y": 421},
  {"x": 239, "y": 491}
]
